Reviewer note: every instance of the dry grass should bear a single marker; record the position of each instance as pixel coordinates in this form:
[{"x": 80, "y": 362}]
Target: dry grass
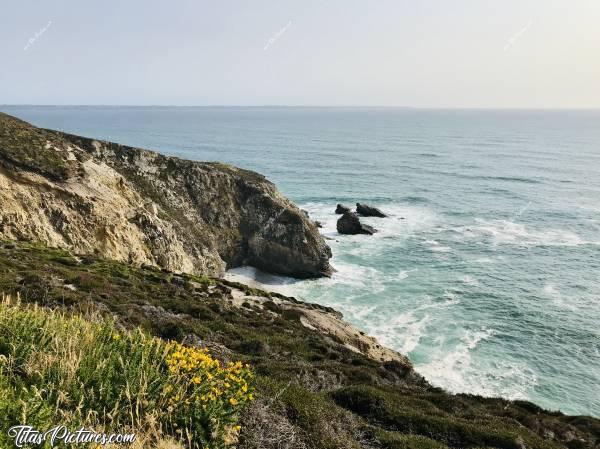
[
  {"x": 266, "y": 426},
  {"x": 61, "y": 369}
]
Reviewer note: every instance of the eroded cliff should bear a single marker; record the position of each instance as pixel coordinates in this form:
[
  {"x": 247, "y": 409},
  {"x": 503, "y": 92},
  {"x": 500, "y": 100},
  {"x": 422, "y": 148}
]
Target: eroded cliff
[{"x": 142, "y": 207}]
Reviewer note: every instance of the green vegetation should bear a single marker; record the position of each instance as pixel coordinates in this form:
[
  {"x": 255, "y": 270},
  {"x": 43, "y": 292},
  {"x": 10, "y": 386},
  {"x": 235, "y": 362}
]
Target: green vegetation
[
  {"x": 247, "y": 175},
  {"x": 26, "y": 146},
  {"x": 62, "y": 369},
  {"x": 311, "y": 391}
]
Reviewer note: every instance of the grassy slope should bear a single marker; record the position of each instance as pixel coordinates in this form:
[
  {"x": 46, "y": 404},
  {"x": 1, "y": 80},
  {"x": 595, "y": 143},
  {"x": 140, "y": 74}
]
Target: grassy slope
[
  {"x": 77, "y": 371},
  {"x": 312, "y": 391},
  {"x": 25, "y": 146}
]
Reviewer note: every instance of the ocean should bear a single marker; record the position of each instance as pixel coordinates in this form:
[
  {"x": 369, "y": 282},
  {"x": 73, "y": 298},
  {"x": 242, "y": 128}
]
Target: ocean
[{"x": 486, "y": 272}]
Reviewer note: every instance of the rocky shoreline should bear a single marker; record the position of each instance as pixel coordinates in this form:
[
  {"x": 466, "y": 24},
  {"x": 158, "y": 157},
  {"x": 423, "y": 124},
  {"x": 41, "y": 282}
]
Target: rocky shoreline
[{"x": 145, "y": 238}]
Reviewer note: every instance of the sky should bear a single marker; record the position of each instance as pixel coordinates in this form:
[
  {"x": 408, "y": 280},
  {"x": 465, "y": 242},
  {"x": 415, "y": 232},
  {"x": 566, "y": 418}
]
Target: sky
[{"x": 427, "y": 53}]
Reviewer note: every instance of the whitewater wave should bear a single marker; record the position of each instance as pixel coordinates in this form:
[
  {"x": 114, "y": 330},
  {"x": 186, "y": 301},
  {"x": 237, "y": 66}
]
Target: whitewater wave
[
  {"x": 455, "y": 371},
  {"x": 259, "y": 279},
  {"x": 436, "y": 247},
  {"x": 469, "y": 280},
  {"x": 403, "y": 274},
  {"x": 356, "y": 276},
  {"x": 403, "y": 331},
  {"x": 507, "y": 232}
]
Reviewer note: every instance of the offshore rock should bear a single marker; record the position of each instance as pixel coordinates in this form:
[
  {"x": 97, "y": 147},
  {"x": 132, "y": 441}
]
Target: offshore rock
[
  {"x": 341, "y": 209},
  {"x": 349, "y": 223},
  {"x": 368, "y": 211}
]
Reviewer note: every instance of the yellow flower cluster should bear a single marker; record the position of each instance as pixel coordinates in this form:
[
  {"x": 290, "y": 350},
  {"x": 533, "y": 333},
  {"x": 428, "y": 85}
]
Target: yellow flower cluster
[
  {"x": 205, "y": 382},
  {"x": 185, "y": 359}
]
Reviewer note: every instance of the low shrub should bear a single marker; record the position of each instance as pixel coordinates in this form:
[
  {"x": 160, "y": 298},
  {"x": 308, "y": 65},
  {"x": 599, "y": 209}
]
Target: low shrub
[
  {"x": 58, "y": 369},
  {"x": 415, "y": 416}
]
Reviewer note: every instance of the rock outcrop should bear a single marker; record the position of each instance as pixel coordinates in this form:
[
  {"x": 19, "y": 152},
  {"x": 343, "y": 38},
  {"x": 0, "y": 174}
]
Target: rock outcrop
[
  {"x": 135, "y": 205},
  {"x": 341, "y": 209},
  {"x": 368, "y": 211},
  {"x": 349, "y": 223}
]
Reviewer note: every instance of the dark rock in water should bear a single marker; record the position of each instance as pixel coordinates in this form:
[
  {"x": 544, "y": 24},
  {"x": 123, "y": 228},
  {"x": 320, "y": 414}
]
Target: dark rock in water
[
  {"x": 368, "y": 211},
  {"x": 341, "y": 209},
  {"x": 349, "y": 223},
  {"x": 318, "y": 224}
]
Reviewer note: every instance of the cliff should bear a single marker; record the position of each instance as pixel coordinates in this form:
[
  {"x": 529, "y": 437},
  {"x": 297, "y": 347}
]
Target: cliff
[
  {"x": 139, "y": 206},
  {"x": 117, "y": 214}
]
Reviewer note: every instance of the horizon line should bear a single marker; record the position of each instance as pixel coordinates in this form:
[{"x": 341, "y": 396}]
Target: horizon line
[{"x": 284, "y": 106}]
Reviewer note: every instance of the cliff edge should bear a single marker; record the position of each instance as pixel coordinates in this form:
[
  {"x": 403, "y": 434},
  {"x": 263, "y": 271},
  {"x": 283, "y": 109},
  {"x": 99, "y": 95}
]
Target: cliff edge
[{"x": 142, "y": 207}]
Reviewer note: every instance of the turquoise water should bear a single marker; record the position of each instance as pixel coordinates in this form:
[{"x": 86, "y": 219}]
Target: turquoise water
[{"x": 489, "y": 283}]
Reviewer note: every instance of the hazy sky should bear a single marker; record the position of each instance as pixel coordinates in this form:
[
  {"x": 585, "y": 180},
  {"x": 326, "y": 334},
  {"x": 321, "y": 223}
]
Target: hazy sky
[{"x": 429, "y": 53}]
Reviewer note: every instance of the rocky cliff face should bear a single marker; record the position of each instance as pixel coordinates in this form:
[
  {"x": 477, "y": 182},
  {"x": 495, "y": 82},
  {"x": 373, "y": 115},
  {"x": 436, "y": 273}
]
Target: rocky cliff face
[{"x": 139, "y": 206}]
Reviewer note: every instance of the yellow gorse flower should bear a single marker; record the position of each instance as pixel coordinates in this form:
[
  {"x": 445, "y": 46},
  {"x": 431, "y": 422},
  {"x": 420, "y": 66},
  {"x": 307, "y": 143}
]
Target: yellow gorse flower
[{"x": 205, "y": 383}]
